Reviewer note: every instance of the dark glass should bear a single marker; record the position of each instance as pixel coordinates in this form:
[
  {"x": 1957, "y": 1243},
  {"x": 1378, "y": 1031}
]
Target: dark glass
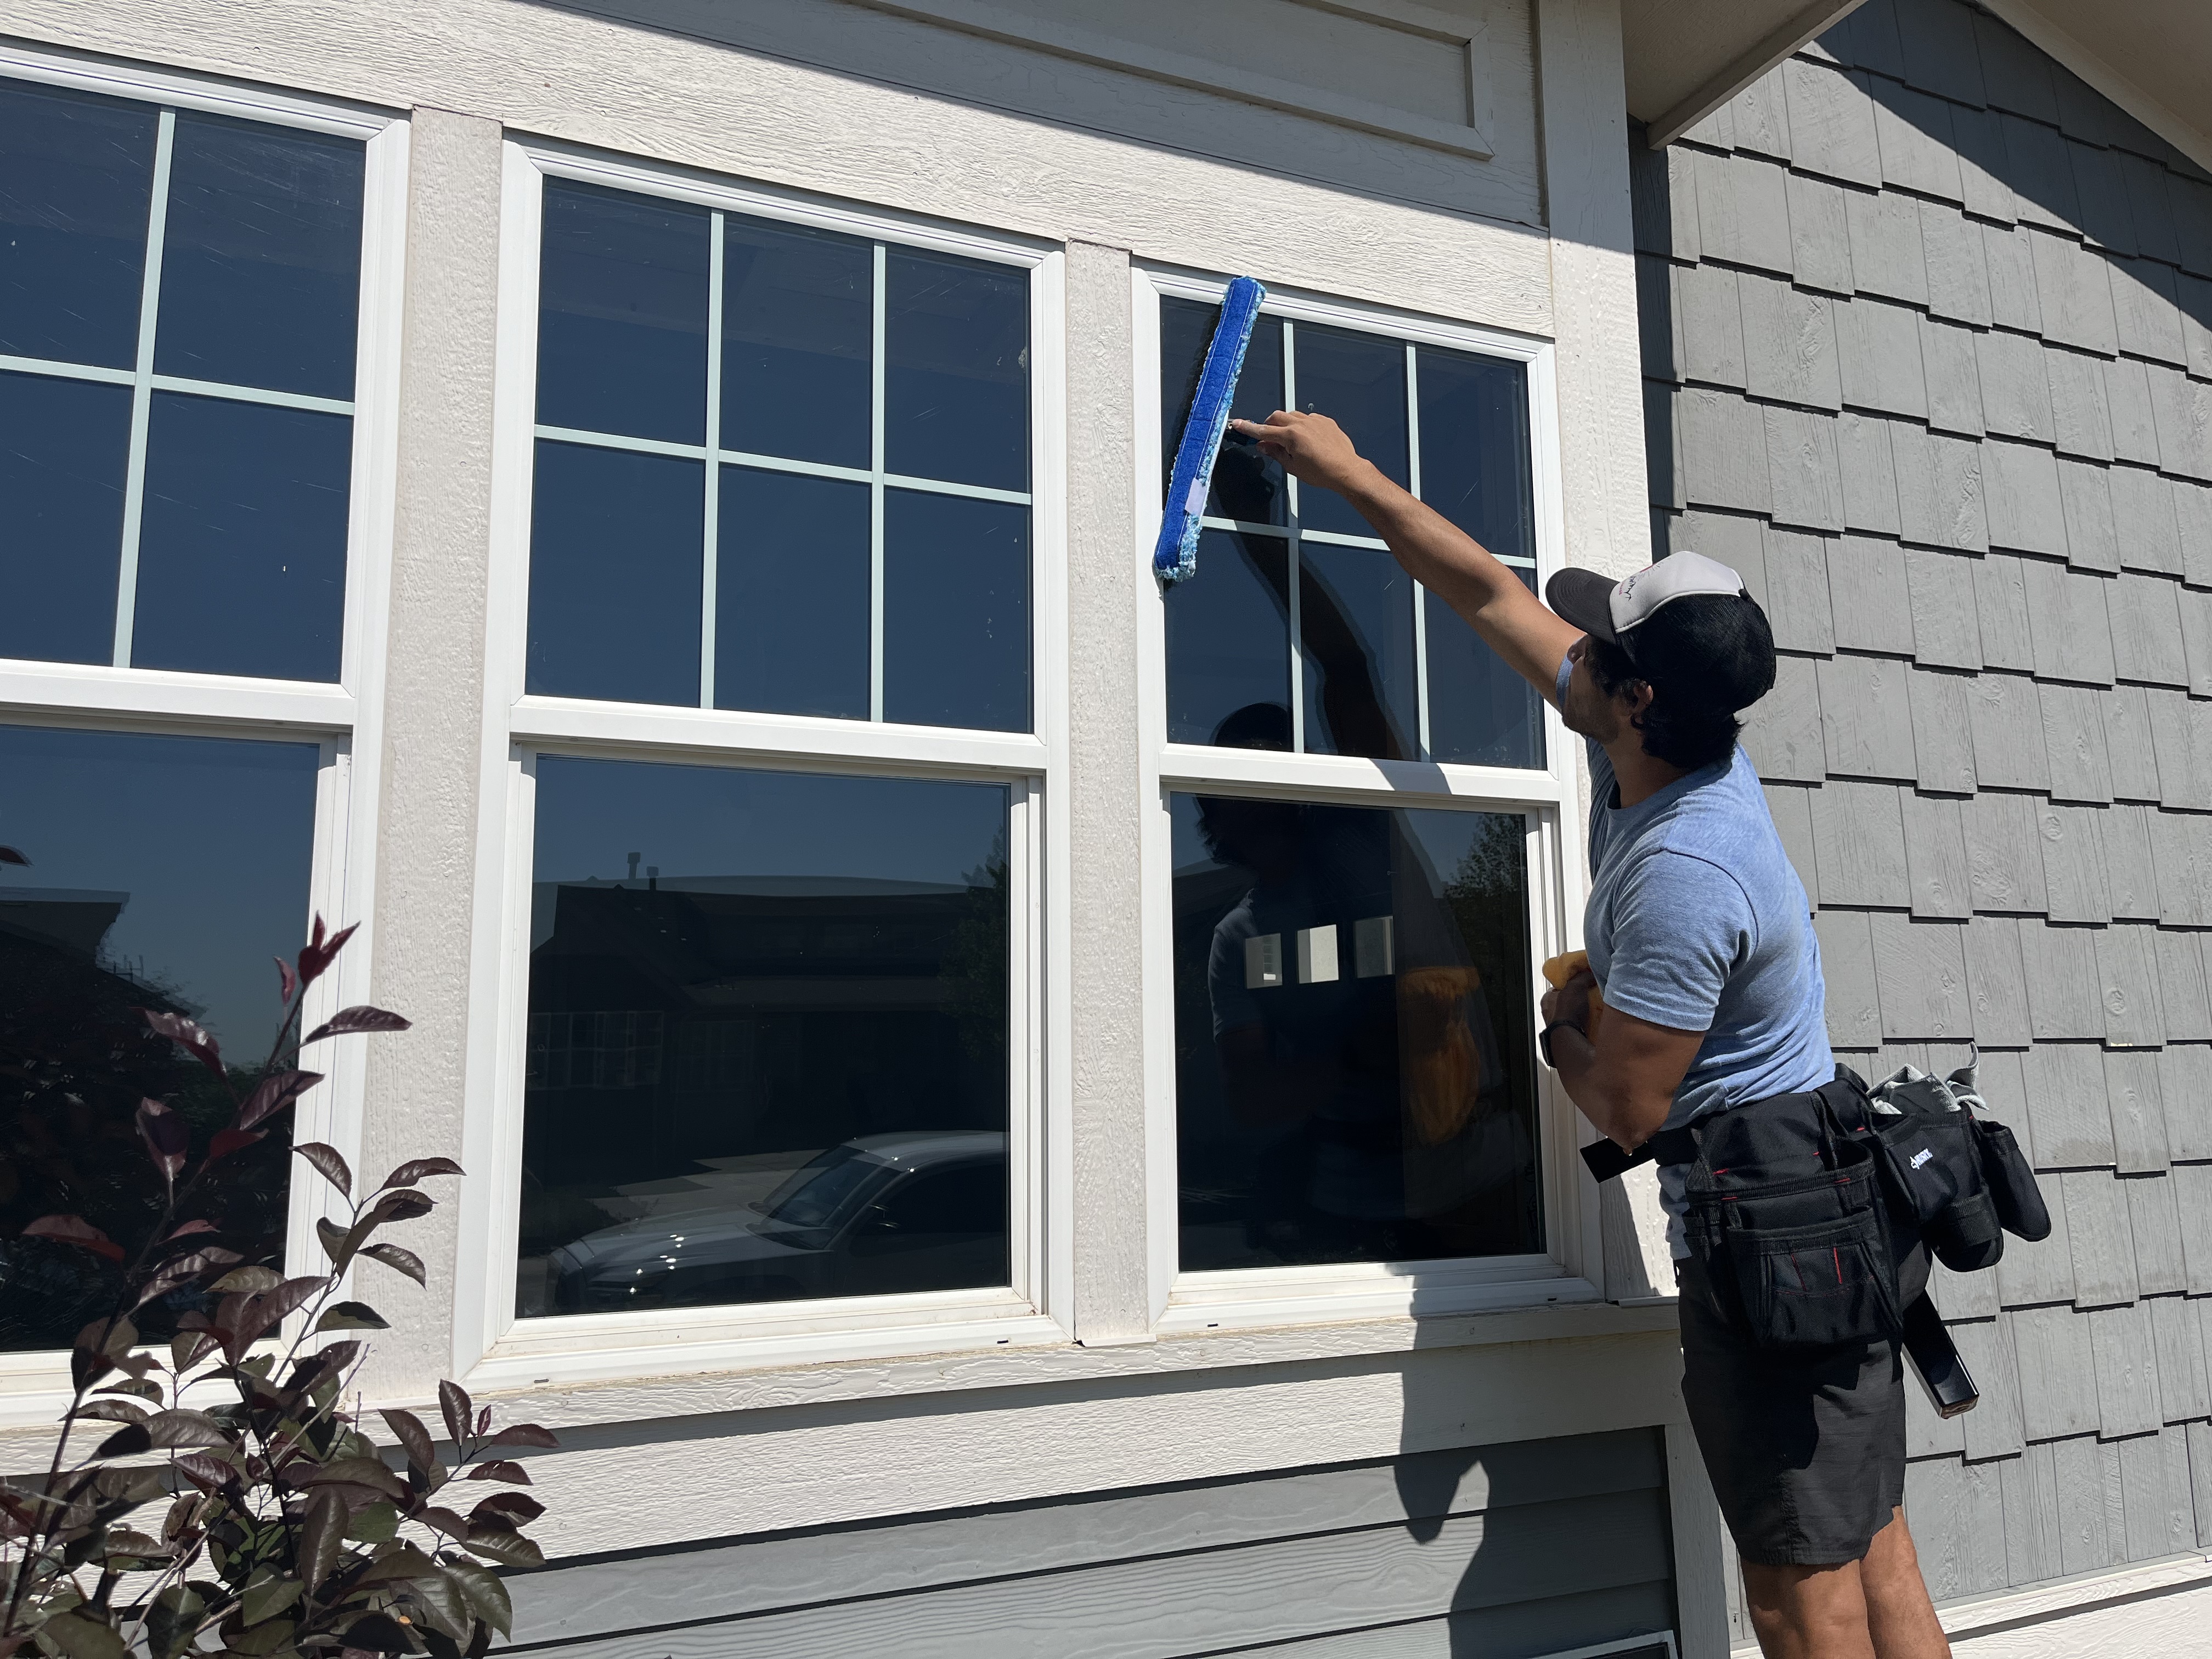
[
  {"x": 63, "y": 447},
  {"x": 261, "y": 258},
  {"x": 956, "y": 611},
  {"x": 76, "y": 181},
  {"x": 790, "y": 595},
  {"x": 1246, "y": 484},
  {"x": 797, "y": 319},
  {"x": 1357, "y": 380},
  {"x": 955, "y": 369},
  {"x": 1480, "y": 712},
  {"x": 615, "y": 574},
  {"x": 622, "y": 321},
  {"x": 1356, "y": 635},
  {"x": 1228, "y": 635},
  {"x": 242, "y": 546},
  {"x": 768, "y": 1051},
  {"x": 1475, "y": 447},
  {"x": 1354, "y": 1034},
  {"x": 165, "y": 873}
]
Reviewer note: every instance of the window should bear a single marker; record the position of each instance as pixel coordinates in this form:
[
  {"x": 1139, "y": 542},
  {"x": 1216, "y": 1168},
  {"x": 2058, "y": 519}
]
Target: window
[
  {"x": 768, "y": 1037},
  {"x": 164, "y": 872},
  {"x": 779, "y": 468},
  {"x": 1359, "y": 659},
  {"x": 195, "y": 395},
  {"x": 177, "y": 351},
  {"x": 775, "y": 774},
  {"x": 1353, "y": 887}
]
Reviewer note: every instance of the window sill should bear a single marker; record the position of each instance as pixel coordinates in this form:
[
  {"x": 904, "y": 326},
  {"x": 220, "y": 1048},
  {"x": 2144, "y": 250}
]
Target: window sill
[{"x": 1332, "y": 1294}]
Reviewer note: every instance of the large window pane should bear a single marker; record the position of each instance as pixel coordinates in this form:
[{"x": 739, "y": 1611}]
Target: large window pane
[
  {"x": 621, "y": 337},
  {"x": 242, "y": 548},
  {"x": 956, "y": 611},
  {"x": 956, "y": 370},
  {"x": 1355, "y": 631},
  {"x": 1354, "y": 1078},
  {"x": 165, "y": 873},
  {"x": 798, "y": 321},
  {"x": 1474, "y": 448},
  {"x": 261, "y": 258},
  {"x": 1246, "y": 484},
  {"x": 62, "y": 444},
  {"x": 614, "y": 570},
  {"x": 76, "y": 178},
  {"x": 1228, "y": 636},
  {"x": 1358, "y": 380},
  {"x": 767, "y": 1050},
  {"x": 790, "y": 595}
]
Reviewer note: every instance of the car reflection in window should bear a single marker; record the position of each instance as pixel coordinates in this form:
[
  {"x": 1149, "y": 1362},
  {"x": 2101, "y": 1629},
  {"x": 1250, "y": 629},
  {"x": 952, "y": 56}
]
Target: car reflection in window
[{"x": 876, "y": 1216}]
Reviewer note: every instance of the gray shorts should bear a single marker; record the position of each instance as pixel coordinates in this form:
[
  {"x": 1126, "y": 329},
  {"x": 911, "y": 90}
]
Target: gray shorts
[{"x": 1805, "y": 1446}]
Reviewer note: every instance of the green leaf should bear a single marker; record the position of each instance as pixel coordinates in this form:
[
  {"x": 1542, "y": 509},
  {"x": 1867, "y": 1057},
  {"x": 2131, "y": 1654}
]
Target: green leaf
[
  {"x": 276, "y": 1634},
  {"x": 322, "y": 1536},
  {"x": 442, "y": 1601},
  {"x": 268, "y": 1598},
  {"x": 487, "y": 1594},
  {"x": 373, "y": 1523},
  {"x": 176, "y": 1613},
  {"x": 83, "y": 1636},
  {"x": 352, "y": 1316},
  {"x": 247, "y": 1279}
]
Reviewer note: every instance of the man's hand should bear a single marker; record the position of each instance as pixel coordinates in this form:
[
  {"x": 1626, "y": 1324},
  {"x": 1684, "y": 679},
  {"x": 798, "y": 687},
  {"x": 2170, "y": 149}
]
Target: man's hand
[
  {"x": 1312, "y": 448},
  {"x": 1571, "y": 1002}
]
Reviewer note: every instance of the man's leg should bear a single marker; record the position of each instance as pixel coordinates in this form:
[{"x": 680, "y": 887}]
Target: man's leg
[
  {"x": 1876, "y": 1608},
  {"x": 1899, "y": 1615},
  {"x": 1807, "y": 1613}
]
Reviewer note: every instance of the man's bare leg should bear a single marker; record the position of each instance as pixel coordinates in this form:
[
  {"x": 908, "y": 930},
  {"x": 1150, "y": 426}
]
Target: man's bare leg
[
  {"x": 1876, "y": 1608},
  {"x": 1899, "y": 1615}
]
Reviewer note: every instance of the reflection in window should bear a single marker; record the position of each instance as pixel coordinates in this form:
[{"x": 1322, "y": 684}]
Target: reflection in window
[
  {"x": 217, "y": 541},
  {"x": 768, "y": 1043},
  {"x": 1354, "y": 1074},
  {"x": 165, "y": 873},
  {"x": 1362, "y": 660},
  {"x": 860, "y": 547}
]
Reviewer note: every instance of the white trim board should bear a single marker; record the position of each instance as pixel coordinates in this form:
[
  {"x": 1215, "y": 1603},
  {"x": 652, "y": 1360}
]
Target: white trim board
[{"x": 1108, "y": 51}]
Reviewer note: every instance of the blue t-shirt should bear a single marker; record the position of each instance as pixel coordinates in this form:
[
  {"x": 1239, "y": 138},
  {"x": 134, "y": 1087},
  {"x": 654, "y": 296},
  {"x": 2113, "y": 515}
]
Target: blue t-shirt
[{"x": 1697, "y": 922}]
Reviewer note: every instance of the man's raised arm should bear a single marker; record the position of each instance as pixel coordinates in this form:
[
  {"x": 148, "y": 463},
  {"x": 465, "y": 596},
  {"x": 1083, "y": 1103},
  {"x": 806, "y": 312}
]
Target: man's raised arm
[{"x": 1438, "y": 553}]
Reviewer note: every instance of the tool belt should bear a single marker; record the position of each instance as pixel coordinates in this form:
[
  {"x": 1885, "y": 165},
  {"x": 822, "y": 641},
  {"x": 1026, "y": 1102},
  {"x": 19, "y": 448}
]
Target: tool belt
[{"x": 1804, "y": 1208}]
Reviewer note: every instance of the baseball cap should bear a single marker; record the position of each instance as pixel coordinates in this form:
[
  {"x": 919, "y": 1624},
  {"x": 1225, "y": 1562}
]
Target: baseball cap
[{"x": 1686, "y": 623}]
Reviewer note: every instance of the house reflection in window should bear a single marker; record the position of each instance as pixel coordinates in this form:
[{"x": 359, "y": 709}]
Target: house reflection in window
[
  {"x": 773, "y": 1064},
  {"x": 1353, "y": 999}
]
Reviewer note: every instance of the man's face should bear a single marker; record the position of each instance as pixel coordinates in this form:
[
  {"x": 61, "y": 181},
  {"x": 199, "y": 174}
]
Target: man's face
[{"x": 1588, "y": 712}]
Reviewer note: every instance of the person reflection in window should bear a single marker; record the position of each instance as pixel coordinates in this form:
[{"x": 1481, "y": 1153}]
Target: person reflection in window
[{"x": 1376, "y": 1078}]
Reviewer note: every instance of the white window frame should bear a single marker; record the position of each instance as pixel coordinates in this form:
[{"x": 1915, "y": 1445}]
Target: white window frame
[
  {"x": 1569, "y": 1268},
  {"x": 494, "y": 1349},
  {"x": 343, "y": 718}
]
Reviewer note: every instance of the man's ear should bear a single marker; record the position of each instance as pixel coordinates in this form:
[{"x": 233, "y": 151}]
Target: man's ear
[{"x": 1638, "y": 695}]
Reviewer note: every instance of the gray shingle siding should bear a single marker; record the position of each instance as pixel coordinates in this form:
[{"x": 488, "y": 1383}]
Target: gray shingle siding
[{"x": 1973, "y": 344}]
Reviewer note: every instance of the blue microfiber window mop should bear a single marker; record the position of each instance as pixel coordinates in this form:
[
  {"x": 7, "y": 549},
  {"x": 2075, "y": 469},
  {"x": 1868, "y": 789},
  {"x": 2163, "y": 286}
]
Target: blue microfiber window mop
[{"x": 1175, "y": 556}]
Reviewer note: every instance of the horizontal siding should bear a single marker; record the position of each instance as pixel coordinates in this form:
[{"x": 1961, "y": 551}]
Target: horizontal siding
[
  {"x": 1506, "y": 1545},
  {"x": 1968, "y": 371}
]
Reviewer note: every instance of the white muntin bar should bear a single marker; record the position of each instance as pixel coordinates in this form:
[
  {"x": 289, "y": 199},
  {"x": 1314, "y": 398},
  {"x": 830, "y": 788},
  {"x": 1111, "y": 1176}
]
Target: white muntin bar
[
  {"x": 711, "y": 516},
  {"x": 876, "y": 488},
  {"x": 1296, "y": 559},
  {"x": 142, "y": 393},
  {"x": 1420, "y": 593}
]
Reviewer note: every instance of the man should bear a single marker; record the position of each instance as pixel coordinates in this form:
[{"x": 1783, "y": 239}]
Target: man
[{"x": 1699, "y": 933}]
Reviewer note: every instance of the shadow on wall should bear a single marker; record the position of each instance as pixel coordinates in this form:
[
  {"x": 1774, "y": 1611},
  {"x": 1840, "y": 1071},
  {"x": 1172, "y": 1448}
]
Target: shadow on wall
[{"x": 2106, "y": 247}]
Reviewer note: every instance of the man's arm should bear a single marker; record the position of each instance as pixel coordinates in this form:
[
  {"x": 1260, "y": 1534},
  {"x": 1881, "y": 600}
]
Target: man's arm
[
  {"x": 1624, "y": 1082},
  {"x": 1438, "y": 553}
]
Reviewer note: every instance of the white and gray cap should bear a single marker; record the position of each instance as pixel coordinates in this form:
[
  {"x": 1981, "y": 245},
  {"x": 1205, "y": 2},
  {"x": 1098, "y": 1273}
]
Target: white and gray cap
[{"x": 1715, "y": 649}]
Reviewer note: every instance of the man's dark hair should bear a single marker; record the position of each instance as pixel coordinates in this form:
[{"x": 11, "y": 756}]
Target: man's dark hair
[{"x": 1686, "y": 725}]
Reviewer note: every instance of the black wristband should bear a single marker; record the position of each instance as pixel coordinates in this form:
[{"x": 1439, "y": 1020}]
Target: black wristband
[{"x": 1544, "y": 1039}]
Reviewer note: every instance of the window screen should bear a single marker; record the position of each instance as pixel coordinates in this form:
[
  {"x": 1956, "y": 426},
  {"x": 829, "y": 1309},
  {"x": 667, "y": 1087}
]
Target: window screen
[
  {"x": 779, "y": 469},
  {"x": 1297, "y": 608},
  {"x": 178, "y": 299}
]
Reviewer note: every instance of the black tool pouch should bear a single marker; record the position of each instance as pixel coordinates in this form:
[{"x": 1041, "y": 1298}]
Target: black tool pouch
[
  {"x": 1788, "y": 1217},
  {"x": 2013, "y": 1193},
  {"x": 1931, "y": 1160}
]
